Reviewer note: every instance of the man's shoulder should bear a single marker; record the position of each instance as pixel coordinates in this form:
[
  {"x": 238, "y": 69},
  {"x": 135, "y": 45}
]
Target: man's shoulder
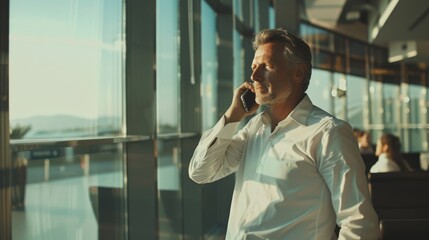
[{"x": 318, "y": 115}]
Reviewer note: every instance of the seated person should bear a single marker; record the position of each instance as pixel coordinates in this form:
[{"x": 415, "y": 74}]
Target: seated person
[{"x": 389, "y": 155}]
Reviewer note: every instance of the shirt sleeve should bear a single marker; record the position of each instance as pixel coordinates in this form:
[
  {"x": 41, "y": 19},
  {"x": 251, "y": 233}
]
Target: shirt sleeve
[
  {"x": 218, "y": 153},
  {"x": 342, "y": 167}
]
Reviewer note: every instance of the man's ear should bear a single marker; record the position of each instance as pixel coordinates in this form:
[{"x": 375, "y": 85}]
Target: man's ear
[{"x": 300, "y": 71}]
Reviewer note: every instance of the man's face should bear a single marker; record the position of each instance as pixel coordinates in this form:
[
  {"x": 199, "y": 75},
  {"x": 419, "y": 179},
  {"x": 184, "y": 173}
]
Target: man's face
[{"x": 272, "y": 74}]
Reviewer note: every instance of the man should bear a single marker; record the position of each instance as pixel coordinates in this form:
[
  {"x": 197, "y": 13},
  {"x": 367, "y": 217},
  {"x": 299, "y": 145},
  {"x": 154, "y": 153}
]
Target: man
[{"x": 298, "y": 170}]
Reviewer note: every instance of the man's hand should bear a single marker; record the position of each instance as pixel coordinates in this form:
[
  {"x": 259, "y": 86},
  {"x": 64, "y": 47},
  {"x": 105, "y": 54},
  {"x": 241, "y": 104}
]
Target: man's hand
[{"x": 236, "y": 112}]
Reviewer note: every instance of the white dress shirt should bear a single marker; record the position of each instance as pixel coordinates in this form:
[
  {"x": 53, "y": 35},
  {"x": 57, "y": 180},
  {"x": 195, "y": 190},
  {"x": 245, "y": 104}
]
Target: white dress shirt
[
  {"x": 296, "y": 182},
  {"x": 384, "y": 164}
]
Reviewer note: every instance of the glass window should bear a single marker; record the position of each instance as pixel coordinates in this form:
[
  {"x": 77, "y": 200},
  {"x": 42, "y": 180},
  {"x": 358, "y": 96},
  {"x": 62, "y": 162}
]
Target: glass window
[
  {"x": 167, "y": 72},
  {"x": 238, "y": 60},
  {"x": 376, "y": 103},
  {"x": 391, "y": 108},
  {"x": 256, "y": 17},
  {"x": 317, "y": 38},
  {"x": 339, "y": 94},
  {"x": 66, "y": 74},
  {"x": 208, "y": 66},
  {"x": 238, "y": 9},
  {"x": 169, "y": 190},
  {"x": 357, "y": 49},
  {"x": 319, "y": 89},
  {"x": 69, "y": 193},
  {"x": 356, "y": 101},
  {"x": 323, "y": 60},
  {"x": 357, "y": 67},
  {"x": 340, "y": 45},
  {"x": 272, "y": 17},
  {"x": 416, "y": 115},
  {"x": 416, "y": 96}
]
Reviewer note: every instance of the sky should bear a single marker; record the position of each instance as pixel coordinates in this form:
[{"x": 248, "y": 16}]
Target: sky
[{"x": 64, "y": 57}]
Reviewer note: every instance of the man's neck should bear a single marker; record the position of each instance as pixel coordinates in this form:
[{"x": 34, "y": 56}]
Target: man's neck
[{"x": 280, "y": 111}]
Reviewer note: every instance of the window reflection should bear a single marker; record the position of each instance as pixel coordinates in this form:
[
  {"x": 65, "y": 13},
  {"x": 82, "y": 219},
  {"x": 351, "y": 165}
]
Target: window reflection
[
  {"x": 169, "y": 190},
  {"x": 69, "y": 193}
]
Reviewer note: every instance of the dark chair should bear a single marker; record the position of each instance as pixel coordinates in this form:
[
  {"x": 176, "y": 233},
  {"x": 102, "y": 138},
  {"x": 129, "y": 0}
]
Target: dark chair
[
  {"x": 413, "y": 160},
  {"x": 369, "y": 160},
  {"x": 400, "y": 195},
  {"x": 401, "y": 200},
  {"x": 400, "y": 229}
]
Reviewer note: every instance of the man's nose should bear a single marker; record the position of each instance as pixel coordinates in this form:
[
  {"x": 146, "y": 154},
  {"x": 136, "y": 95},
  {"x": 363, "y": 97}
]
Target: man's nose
[{"x": 256, "y": 74}]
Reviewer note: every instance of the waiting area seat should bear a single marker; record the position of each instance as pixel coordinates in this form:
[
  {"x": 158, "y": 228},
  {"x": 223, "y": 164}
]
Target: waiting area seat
[
  {"x": 400, "y": 195},
  {"x": 401, "y": 200},
  {"x": 400, "y": 229}
]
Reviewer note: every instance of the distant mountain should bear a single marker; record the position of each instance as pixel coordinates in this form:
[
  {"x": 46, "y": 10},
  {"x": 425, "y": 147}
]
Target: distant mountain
[
  {"x": 52, "y": 122},
  {"x": 67, "y": 126}
]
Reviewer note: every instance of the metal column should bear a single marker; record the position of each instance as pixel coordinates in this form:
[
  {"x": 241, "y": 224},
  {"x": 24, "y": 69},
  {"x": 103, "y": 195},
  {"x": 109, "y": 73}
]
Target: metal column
[{"x": 5, "y": 161}]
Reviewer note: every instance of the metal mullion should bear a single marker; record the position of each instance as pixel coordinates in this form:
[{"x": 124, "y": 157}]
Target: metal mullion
[{"x": 5, "y": 159}]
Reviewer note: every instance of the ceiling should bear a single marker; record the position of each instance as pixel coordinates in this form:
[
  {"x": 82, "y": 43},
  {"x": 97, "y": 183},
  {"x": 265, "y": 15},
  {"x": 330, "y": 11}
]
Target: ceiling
[{"x": 405, "y": 30}]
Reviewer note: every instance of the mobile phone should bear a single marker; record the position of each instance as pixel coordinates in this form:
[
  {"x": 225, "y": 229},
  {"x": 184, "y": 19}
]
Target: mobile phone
[{"x": 248, "y": 99}]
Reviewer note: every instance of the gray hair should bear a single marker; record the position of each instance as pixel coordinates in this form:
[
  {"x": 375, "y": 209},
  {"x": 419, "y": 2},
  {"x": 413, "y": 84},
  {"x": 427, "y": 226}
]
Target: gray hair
[{"x": 295, "y": 49}]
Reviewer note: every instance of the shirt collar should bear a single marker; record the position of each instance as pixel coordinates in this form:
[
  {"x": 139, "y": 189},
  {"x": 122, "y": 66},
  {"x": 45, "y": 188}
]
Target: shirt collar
[
  {"x": 383, "y": 157},
  {"x": 299, "y": 114}
]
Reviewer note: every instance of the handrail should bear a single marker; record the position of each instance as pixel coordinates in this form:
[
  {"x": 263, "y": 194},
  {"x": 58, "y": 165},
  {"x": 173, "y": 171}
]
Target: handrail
[{"x": 37, "y": 144}]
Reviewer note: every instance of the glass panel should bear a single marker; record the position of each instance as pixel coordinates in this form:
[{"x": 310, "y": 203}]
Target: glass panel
[
  {"x": 169, "y": 186},
  {"x": 256, "y": 17},
  {"x": 339, "y": 63},
  {"x": 319, "y": 89},
  {"x": 340, "y": 44},
  {"x": 357, "y": 93},
  {"x": 416, "y": 98},
  {"x": 69, "y": 193},
  {"x": 72, "y": 53},
  {"x": 379, "y": 55},
  {"x": 238, "y": 59},
  {"x": 322, "y": 39},
  {"x": 391, "y": 104},
  {"x": 167, "y": 74},
  {"x": 272, "y": 17},
  {"x": 208, "y": 66},
  {"x": 339, "y": 94},
  {"x": 323, "y": 60},
  {"x": 238, "y": 9},
  {"x": 308, "y": 34},
  {"x": 357, "y": 50},
  {"x": 377, "y": 111},
  {"x": 357, "y": 67}
]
